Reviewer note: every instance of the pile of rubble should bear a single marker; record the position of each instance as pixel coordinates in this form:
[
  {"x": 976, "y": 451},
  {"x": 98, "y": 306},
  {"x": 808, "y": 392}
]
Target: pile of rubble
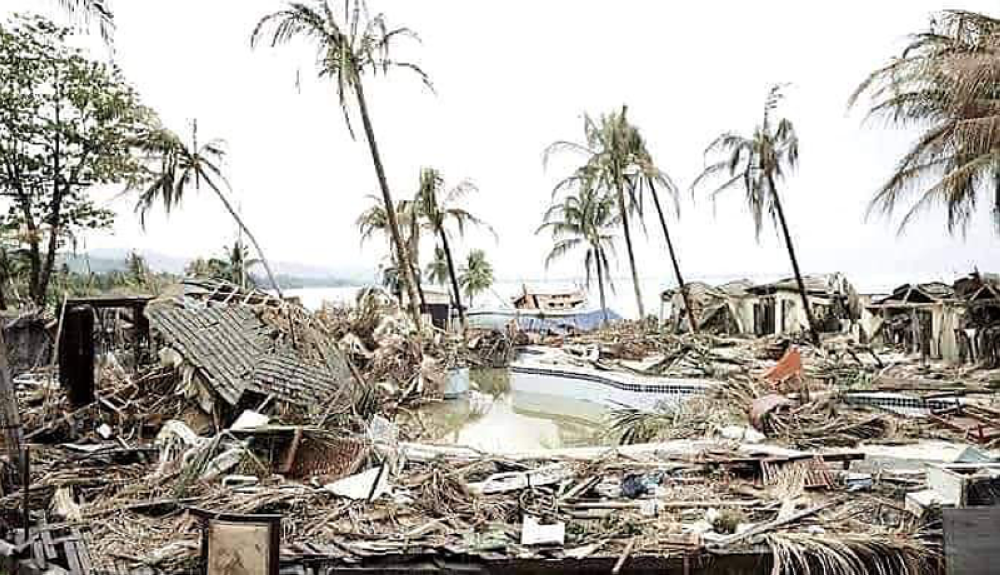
[{"x": 262, "y": 410}]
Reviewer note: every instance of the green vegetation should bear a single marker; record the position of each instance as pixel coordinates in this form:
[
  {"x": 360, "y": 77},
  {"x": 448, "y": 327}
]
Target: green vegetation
[
  {"x": 477, "y": 275},
  {"x": 584, "y": 220},
  {"x": 438, "y": 209},
  {"x": 67, "y": 125}
]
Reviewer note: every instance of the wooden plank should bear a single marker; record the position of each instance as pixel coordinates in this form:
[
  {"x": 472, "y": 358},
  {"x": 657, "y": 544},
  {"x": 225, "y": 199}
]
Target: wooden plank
[
  {"x": 72, "y": 558},
  {"x": 972, "y": 540},
  {"x": 50, "y": 549},
  {"x": 86, "y": 565}
]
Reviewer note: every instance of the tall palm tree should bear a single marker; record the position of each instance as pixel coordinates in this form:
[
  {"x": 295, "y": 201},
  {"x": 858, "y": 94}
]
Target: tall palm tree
[
  {"x": 349, "y": 45},
  {"x": 437, "y": 208},
  {"x": 173, "y": 167},
  {"x": 584, "y": 220},
  {"x": 477, "y": 274},
  {"x": 755, "y": 165},
  {"x": 617, "y": 160},
  {"x": 437, "y": 269},
  {"x": 945, "y": 81},
  {"x": 374, "y": 220}
]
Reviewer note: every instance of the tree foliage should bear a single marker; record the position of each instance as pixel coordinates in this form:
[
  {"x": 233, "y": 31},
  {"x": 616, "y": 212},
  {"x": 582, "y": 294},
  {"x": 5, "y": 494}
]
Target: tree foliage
[
  {"x": 67, "y": 125},
  {"x": 477, "y": 274},
  {"x": 945, "y": 83},
  {"x": 584, "y": 220}
]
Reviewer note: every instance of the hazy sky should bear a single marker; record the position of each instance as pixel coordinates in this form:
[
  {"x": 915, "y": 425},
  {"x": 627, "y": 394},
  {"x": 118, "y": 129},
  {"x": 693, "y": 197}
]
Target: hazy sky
[{"x": 512, "y": 77}]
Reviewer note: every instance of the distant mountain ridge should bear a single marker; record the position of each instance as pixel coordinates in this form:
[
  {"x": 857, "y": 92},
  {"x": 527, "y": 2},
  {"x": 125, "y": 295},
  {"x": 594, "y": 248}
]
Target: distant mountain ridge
[{"x": 290, "y": 274}]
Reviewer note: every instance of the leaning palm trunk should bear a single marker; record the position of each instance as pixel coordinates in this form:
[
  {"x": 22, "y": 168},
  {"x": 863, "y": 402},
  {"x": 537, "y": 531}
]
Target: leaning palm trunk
[
  {"x": 414, "y": 261},
  {"x": 813, "y": 332},
  {"x": 253, "y": 240},
  {"x": 402, "y": 261},
  {"x": 631, "y": 255},
  {"x": 677, "y": 267},
  {"x": 454, "y": 279},
  {"x": 600, "y": 283}
]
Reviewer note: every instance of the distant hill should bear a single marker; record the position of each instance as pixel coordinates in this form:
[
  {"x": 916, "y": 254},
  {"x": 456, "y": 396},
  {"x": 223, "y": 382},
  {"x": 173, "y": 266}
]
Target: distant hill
[{"x": 291, "y": 275}]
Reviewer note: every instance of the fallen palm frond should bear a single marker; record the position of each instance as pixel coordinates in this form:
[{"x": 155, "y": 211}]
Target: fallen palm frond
[
  {"x": 852, "y": 554},
  {"x": 819, "y": 423},
  {"x": 697, "y": 417}
]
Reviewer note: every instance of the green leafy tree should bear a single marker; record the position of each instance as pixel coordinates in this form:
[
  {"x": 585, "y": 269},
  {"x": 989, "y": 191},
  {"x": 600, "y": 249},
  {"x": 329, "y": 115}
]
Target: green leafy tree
[
  {"x": 172, "y": 167},
  {"x": 617, "y": 161},
  {"x": 67, "y": 125},
  {"x": 438, "y": 209},
  {"x": 477, "y": 275},
  {"x": 945, "y": 83},
  {"x": 350, "y": 44},
  {"x": 585, "y": 220},
  {"x": 755, "y": 165}
]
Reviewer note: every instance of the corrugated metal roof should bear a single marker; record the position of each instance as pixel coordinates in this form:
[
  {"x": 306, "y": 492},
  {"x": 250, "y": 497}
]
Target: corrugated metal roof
[{"x": 232, "y": 349}]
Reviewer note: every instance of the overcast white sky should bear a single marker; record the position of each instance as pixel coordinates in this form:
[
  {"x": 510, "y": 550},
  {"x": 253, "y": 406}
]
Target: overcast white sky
[{"x": 512, "y": 77}]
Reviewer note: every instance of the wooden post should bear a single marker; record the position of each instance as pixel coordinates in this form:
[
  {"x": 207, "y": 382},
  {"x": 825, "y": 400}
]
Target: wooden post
[
  {"x": 10, "y": 416},
  {"x": 76, "y": 355}
]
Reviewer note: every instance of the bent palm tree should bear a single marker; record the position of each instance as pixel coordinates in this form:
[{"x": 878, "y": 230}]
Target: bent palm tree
[
  {"x": 437, "y": 209},
  {"x": 584, "y": 220},
  {"x": 347, "y": 49},
  {"x": 618, "y": 161},
  {"x": 755, "y": 164},
  {"x": 172, "y": 167},
  {"x": 477, "y": 274},
  {"x": 946, "y": 81}
]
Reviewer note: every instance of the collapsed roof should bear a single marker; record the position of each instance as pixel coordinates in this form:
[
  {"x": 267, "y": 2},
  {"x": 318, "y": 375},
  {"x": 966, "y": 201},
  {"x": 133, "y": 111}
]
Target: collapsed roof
[{"x": 235, "y": 351}]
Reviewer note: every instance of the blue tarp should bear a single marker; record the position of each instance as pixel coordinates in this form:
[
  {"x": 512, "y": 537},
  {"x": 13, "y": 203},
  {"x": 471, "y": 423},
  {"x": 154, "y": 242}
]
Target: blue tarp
[{"x": 562, "y": 323}]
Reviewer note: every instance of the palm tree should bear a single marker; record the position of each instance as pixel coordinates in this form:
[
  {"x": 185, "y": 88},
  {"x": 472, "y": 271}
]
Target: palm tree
[
  {"x": 437, "y": 270},
  {"x": 617, "y": 161},
  {"x": 755, "y": 165},
  {"x": 477, "y": 274},
  {"x": 945, "y": 81},
  {"x": 173, "y": 166},
  {"x": 437, "y": 209},
  {"x": 584, "y": 220},
  {"x": 347, "y": 49},
  {"x": 374, "y": 220}
]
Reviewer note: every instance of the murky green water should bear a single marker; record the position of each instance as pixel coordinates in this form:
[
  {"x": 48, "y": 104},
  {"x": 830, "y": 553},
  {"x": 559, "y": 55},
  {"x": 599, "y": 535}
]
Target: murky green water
[{"x": 497, "y": 418}]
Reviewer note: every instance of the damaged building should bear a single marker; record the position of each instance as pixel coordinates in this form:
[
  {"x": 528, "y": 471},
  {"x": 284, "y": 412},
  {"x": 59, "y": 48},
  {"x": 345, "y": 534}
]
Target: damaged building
[
  {"x": 957, "y": 323},
  {"x": 743, "y": 308},
  {"x": 919, "y": 318}
]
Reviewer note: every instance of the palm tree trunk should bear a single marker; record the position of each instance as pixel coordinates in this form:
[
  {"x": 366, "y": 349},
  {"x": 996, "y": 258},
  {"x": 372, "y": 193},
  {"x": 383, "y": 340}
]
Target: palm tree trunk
[
  {"x": 403, "y": 262},
  {"x": 253, "y": 240},
  {"x": 631, "y": 255},
  {"x": 677, "y": 267},
  {"x": 813, "y": 332},
  {"x": 600, "y": 283},
  {"x": 454, "y": 279},
  {"x": 413, "y": 250}
]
